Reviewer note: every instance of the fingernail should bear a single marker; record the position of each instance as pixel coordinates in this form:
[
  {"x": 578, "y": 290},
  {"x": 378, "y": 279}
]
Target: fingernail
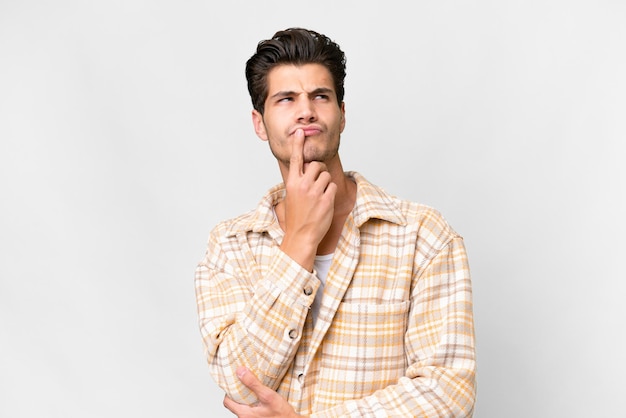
[{"x": 241, "y": 371}]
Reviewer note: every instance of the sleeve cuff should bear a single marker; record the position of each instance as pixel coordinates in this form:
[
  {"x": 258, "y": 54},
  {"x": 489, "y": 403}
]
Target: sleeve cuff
[{"x": 291, "y": 279}]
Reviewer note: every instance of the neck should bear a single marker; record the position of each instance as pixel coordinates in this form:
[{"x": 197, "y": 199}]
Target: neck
[{"x": 344, "y": 203}]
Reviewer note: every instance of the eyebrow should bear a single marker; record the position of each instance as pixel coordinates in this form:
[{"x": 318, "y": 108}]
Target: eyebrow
[{"x": 287, "y": 93}]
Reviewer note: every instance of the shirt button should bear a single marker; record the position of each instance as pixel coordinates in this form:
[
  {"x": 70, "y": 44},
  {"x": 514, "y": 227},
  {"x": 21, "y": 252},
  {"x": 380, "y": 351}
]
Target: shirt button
[
  {"x": 301, "y": 378},
  {"x": 293, "y": 334},
  {"x": 308, "y": 290}
]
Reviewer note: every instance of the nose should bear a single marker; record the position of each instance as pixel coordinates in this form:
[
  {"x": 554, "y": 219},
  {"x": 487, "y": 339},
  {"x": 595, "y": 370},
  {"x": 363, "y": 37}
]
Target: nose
[{"x": 306, "y": 111}]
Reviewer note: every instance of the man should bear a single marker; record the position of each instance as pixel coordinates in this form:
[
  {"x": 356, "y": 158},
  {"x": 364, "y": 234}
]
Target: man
[{"x": 332, "y": 298}]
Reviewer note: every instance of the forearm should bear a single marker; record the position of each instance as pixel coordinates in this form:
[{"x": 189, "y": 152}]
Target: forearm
[
  {"x": 257, "y": 324},
  {"x": 438, "y": 393}
]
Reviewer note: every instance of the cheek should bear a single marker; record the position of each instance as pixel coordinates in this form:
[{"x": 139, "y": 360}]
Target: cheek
[
  {"x": 337, "y": 128},
  {"x": 275, "y": 131},
  {"x": 279, "y": 144}
]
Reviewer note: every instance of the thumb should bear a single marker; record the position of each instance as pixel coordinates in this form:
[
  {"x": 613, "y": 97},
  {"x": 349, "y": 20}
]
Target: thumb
[{"x": 251, "y": 382}]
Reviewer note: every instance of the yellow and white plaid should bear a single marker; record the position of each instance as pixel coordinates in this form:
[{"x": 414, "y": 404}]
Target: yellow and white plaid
[{"x": 395, "y": 332}]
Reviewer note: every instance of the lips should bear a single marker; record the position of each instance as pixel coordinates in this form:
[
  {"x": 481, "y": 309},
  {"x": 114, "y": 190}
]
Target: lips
[{"x": 309, "y": 130}]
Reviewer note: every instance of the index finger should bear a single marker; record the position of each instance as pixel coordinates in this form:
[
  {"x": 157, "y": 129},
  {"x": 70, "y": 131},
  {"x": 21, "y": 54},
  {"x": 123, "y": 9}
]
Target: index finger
[{"x": 296, "y": 160}]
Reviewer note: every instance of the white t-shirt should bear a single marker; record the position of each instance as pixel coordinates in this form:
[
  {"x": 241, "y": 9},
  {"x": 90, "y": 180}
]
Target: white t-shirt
[{"x": 321, "y": 266}]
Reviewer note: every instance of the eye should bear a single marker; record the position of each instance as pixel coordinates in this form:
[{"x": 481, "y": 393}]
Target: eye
[{"x": 322, "y": 96}]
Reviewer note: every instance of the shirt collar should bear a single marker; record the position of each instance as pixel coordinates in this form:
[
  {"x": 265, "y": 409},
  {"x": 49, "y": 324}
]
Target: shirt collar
[{"x": 372, "y": 202}]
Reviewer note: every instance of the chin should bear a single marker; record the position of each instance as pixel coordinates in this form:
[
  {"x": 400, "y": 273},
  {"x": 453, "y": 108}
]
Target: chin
[{"x": 320, "y": 158}]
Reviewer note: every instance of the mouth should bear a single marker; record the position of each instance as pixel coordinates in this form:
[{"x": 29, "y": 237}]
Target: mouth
[{"x": 311, "y": 130}]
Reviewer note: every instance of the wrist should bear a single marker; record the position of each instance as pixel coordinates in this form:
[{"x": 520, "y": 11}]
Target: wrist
[{"x": 301, "y": 253}]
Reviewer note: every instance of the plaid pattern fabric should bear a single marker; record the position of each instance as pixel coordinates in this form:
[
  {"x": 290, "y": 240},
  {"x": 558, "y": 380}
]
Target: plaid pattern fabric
[{"x": 395, "y": 333}]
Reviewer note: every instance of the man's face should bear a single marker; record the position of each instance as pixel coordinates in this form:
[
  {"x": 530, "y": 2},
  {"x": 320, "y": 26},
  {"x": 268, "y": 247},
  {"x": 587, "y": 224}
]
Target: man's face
[{"x": 301, "y": 97}]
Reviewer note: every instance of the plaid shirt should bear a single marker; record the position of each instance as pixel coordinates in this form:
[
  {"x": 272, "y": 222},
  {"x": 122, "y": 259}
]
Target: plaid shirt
[{"x": 394, "y": 336}]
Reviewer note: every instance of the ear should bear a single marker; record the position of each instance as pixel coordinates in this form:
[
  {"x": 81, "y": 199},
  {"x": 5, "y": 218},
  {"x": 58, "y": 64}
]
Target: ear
[
  {"x": 343, "y": 116},
  {"x": 259, "y": 125}
]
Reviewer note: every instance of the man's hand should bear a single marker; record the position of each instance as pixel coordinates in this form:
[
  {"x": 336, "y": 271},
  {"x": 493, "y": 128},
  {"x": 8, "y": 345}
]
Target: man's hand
[
  {"x": 308, "y": 205},
  {"x": 270, "y": 403}
]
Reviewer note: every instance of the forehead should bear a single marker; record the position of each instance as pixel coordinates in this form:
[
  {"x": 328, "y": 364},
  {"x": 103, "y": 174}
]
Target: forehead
[{"x": 294, "y": 78}]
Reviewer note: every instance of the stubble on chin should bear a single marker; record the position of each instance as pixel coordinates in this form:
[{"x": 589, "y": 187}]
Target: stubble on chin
[{"x": 313, "y": 152}]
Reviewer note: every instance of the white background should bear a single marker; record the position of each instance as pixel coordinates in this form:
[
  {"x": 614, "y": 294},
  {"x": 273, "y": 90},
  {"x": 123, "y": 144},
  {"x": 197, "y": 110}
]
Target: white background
[{"x": 125, "y": 136}]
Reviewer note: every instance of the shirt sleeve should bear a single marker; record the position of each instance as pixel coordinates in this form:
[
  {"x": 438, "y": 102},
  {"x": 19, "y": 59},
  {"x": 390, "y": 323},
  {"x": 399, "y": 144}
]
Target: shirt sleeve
[
  {"x": 247, "y": 318},
  {"x": 440, "y": 377}
]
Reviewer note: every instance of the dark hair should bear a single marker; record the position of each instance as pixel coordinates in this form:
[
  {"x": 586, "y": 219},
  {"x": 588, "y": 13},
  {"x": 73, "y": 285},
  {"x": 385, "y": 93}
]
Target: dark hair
[{"x": 295, "y": 46}]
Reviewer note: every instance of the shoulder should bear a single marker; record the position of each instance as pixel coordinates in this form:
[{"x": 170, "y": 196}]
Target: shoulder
[
  {"x": 374, "y": 202},
  {"x": 428, "y": 224},
  {"x": 426, "y": 217},
  {"x": 229, "y": 227},
  {"x": 259, "y": 219}
]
